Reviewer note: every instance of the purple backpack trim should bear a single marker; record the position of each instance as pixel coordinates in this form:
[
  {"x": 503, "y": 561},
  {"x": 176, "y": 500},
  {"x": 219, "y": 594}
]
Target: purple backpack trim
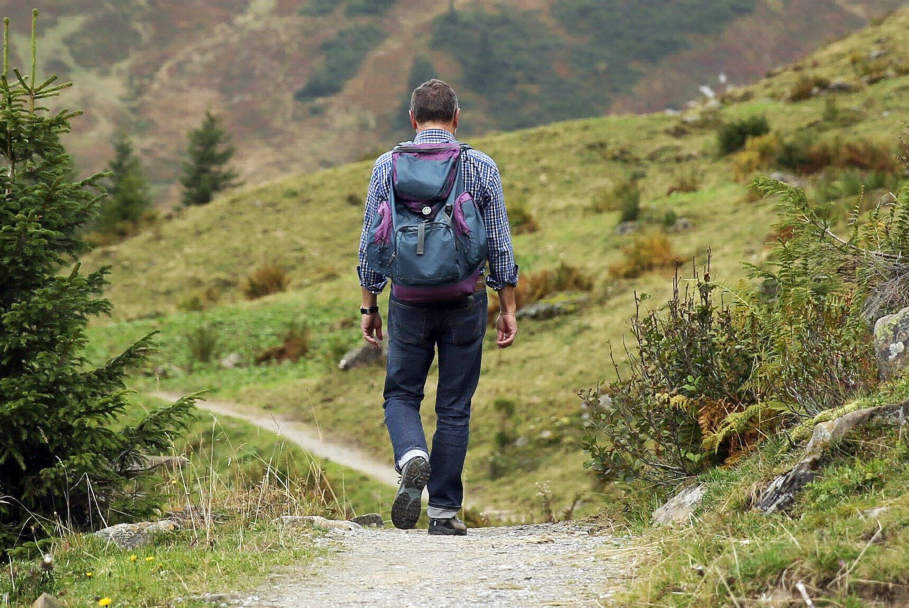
[
  {"x": 458, "y": 216},
  {"x": 383, "y": 232},
  {"x": 425, "y": 295}
]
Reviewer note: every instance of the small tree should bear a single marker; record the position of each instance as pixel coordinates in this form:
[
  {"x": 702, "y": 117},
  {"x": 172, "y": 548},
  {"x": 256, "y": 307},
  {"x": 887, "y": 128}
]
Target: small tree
[
  {"x": 127, "y": 189},
  {"x": 205, "y": 171},
  {"x": 59, "y": 457}
]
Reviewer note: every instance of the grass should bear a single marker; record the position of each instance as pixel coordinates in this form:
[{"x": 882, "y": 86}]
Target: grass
[
  {"x": 238, "y": 479},
  {"x": 305, "y": 224}
]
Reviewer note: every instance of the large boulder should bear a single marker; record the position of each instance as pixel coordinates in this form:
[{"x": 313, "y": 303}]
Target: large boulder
[{"x": 891, "y": 343}]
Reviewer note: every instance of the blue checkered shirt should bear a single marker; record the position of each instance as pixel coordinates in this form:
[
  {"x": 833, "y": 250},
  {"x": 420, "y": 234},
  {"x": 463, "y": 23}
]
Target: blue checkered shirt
[{"x": 482, "y": 180}]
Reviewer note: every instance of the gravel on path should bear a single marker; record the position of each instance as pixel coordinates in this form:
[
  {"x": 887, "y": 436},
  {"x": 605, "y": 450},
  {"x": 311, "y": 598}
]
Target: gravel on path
[{"x": 562, "y": 564}]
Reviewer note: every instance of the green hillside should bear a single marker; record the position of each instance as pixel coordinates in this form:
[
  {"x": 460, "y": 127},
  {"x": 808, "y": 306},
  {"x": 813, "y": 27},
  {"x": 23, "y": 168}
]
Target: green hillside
[
  {"x": 289, "y": 75},
  {"x": 567, "y": 179}
]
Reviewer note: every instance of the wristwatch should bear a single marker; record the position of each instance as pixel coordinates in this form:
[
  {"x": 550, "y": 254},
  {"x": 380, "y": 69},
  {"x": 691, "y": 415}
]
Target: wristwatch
[{"x": 369, "y": 311}]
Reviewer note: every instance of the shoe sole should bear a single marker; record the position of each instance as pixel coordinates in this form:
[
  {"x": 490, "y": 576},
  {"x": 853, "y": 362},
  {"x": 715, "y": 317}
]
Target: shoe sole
[{"x": 405, "y": 510}]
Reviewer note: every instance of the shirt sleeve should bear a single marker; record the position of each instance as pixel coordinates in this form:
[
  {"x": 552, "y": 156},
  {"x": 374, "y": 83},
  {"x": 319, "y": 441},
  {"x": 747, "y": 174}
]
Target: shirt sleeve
[
  {"x": 378, "y": 191},
  {"x": 502, "y": 268}
]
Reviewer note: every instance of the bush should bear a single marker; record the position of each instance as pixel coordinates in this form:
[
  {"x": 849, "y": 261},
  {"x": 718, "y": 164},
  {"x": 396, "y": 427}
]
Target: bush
[
  {"x": 647, "y": 252},
  {"x": 686, "y": 181},
  {"x": 266, "y": 280},
  {"x": 623, "y": 196},
  {"x": 202, "y": 342},
  {"x": 760, "y": 153},
  {"x": 690, "y": 368},
  {"x": 341, "y": 57},
  {"x": 805, "y": 87},
  {"x": 521, "y": 220},
  {"x": 731, "y": 137},
  {"x": 296, "y": 344},
  {"x": 534, "y": 286}
]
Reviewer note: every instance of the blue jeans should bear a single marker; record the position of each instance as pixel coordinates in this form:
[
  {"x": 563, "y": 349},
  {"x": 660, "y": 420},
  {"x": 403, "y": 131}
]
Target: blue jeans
[{"x": 414, "y": 332}]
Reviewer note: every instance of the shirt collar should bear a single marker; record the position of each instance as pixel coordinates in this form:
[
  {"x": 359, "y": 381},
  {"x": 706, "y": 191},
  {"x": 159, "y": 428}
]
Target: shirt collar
[{"x": 433, "y": 136}]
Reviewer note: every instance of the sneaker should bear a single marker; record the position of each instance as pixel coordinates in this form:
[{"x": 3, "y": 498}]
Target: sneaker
[
  {"x": 405, "y": 510},
  {"x": 450, "y": 526}
]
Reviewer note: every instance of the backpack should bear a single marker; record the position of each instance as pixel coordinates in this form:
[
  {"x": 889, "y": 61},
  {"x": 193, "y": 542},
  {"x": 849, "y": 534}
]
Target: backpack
[{"x": 428, "y": 237}]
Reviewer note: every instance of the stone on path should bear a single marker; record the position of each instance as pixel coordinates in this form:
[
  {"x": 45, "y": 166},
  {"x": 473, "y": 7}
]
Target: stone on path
[
  {"x": 315, "y": 521},
  {"x": 363, "y": 355},
  {"x": 369, "y": 519}
]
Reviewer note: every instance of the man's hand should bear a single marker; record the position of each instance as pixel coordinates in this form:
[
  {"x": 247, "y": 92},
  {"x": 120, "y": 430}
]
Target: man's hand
[
  {"x": 371, "y": 326},
  {"x": 506, "y": 329}
]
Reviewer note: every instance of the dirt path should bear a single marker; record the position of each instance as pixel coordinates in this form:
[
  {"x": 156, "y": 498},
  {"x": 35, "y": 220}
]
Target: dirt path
[
  {"x": 563, "y": 564},
  {"x": 307, "y": 437},
  {"x": 531, "y": 565}
]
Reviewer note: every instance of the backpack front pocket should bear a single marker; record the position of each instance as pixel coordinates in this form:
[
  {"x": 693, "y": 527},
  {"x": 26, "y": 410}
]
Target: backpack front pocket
[{"x": 426, "y": 254}]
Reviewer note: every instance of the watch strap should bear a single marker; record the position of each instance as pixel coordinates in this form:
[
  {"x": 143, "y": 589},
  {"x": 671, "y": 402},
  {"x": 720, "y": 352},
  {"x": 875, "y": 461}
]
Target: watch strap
[{"x": 369, "y": 311}]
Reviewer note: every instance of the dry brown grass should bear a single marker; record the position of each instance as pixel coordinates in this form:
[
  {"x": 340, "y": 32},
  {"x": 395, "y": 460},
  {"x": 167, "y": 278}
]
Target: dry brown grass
[
  {"x": 267, "y": 279},
  {"x": 534, "y": 286},
  {"x": 647, "y": 252}
]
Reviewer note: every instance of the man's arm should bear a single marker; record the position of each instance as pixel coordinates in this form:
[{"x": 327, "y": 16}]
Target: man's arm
[
  {"x": 506, "y": 324},
  {"x": 371, "y": 323}
]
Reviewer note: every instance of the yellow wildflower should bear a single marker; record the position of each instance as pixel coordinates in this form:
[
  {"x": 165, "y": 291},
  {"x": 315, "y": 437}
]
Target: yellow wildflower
[
  {"x": 104, "y": 601},
  {"x": 132, "y": 558},
  {"x": 150, "y": 558},
  {"x": 89, "y": 574}
]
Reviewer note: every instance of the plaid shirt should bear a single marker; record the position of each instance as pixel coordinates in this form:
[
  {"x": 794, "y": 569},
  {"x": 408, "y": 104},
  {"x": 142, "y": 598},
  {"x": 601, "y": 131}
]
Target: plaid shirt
[{"x": 482, "y": 180}]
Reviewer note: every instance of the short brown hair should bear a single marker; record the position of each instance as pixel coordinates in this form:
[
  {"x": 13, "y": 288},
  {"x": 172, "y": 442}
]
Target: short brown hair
[{"x": 433, "y": 101}]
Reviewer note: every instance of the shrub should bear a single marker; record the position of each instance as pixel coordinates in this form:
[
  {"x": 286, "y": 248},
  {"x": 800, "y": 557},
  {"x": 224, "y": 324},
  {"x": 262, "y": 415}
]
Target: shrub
[
  {"x": 686, "y": 181},
  {"x": 804, "y": 154},
  {"x": 202, "y": 342},
  {"x": 760, "y": 153},
  {"x": 623, "y": 196},
  {"x": 647, "y": 252},
  {"x": 296, "y": 344},
  {"x": 354, "y": 200},
  {"x": 805, "y": 87},
  {"x": 731, "y": 137},
  {"x": 690, "y": 368},
  {"x": 534, "y": 286},
  {"x": 341, "y": 57},
  {"x": 521, "y": 220},
  {"x": 268, "y": 279}
]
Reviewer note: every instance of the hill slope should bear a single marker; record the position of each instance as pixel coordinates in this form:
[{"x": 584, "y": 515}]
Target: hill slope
[
  {"x": 306, "y": 84},
  {"x": 558, "y": 174}
]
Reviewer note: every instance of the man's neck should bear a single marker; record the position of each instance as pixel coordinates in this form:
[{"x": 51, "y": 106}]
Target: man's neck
[{"x": 435, "y": 125}]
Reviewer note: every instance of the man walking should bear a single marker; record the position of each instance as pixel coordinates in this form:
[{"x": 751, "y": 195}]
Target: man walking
[{"x": 449, "y": 318}]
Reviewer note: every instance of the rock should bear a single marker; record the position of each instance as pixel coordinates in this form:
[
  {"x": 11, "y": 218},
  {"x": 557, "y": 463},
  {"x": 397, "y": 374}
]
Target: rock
[
  {"x": 149, "y": 463},
  {"x": 129, "y": 536},
  {"x": 840, "y": 86},
  {"x": 363, "y": 355},
  {"x": 315, "y": 521},
  {"x": 787, "y": 178},
  {"x": 541, "y": 310},
  {"x": 369, "y": 519},
  {"x": 682, "y": 224},
  {"x": 876, "y": 54},
  {"x": 679, "y": 508},
  {"x": 46, "y": 601},
  {"x": 231, "y": 361},
  {"x": 626, "y": 228},
  {"x": 887, "y": 200},
  {"x": 891, "y": 343},
  {"x": 780, "y": 494}
]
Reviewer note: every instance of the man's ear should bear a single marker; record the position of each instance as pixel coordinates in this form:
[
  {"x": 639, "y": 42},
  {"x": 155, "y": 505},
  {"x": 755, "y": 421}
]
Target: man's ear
[
  {"x": 413, "y": 121},
  {"x": 454, "y": 123}
]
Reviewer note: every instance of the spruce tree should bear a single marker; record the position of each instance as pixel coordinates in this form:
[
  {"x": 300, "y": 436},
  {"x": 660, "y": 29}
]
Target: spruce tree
[
  {"x": 61, "y": 459},
  {"x": 204, "y": 171},
  {"x": 127, "y": 189}
]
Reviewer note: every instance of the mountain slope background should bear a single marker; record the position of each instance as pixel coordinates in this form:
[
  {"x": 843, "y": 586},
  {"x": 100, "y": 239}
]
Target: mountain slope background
[
  {"x": 185, "y": 277},
  {"x": 312, "y": 83}
]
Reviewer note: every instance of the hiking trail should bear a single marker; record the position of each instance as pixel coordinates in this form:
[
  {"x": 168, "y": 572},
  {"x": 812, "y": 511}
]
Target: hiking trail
[{"x": 550, "y": 564}]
